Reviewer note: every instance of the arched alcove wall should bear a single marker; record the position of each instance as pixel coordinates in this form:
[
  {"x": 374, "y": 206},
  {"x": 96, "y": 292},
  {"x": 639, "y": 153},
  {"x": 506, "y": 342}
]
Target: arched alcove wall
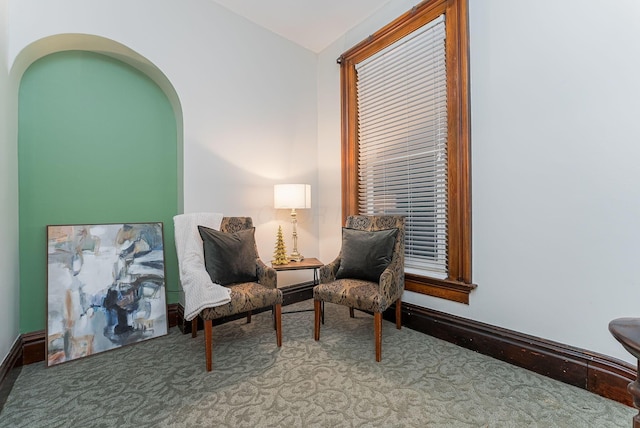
[{"x": 99, "y": 141}]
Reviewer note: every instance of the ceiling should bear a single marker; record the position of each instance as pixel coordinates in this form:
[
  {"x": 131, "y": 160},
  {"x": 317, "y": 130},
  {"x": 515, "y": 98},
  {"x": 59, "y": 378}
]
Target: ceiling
[{"x": 313, "y": 24}]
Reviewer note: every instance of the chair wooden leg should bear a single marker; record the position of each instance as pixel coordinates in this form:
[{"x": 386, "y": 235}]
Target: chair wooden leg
[
  {"x": 317, "y": 309},
  {"x": 351, "y": 313},
  {"x": 249, "y": 317},
  {"x": 278, "y": 315},
  {"x": 194, "y": 327},
  {"x": 208, "y": 342},
  {"x": 377, "y": 333},
  {"x": 399, "y": 314}
]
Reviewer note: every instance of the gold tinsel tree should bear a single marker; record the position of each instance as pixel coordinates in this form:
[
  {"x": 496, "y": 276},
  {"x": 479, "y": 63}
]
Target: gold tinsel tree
[{"x": 280, "y": 255}]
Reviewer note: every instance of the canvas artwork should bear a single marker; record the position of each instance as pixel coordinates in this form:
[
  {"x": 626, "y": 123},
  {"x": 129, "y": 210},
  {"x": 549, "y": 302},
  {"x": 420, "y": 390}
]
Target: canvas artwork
[{"x": 105, "y": 288}]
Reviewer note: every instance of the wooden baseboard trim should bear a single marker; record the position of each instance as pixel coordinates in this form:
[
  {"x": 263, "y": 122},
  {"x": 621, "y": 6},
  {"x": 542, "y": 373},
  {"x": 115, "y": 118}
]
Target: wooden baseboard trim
[
  {"x": 599, "y": 374},
  {"x": 8, "y": 374},
  {"x": 12, "y": 360},
  {"x": 297, "y": 293},
  {"x": 33, "y": 347},
  {"x": 172, "y": 314}
]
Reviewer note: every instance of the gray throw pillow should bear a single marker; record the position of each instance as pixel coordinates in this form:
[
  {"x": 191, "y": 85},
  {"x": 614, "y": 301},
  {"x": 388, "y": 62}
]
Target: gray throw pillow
[
  {"x": 365, "y": 255},
  {"x": 229, "y": 258}
]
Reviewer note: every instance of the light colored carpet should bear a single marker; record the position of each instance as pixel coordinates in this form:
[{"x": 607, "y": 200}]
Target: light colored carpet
[{"x": 421, "y": 382}]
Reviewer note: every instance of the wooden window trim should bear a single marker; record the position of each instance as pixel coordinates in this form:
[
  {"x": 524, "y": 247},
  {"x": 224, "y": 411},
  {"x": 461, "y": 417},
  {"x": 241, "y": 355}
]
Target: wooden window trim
[{"x": 458, "y": 285}]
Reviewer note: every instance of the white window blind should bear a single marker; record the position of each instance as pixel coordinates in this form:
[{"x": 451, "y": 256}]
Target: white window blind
[{"x": 402, "y": 138}]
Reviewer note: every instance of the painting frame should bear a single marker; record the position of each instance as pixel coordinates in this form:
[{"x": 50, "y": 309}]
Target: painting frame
[{"x": 106, "y": 288}]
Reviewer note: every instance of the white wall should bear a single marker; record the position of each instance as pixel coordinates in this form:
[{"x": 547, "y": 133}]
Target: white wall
[
  {"x": 248, "y": 99},
  {"x": 555, "y": 101},
  {"x": 9, "y": 268}
]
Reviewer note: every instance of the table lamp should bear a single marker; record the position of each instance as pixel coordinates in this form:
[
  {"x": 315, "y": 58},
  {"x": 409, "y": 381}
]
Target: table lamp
[{"x": 292, "y": 196}]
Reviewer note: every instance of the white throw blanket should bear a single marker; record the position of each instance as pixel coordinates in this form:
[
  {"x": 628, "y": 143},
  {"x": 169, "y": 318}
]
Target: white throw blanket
[{"x": 199, "y": 291}]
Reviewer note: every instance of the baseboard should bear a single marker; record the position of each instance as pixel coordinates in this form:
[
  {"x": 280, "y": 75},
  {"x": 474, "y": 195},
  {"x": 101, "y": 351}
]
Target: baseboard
[
  {"x": 7, "y": 373},
  {"x": 33, "y": 347},
  {"x": 599, "y": 374},
  {"x": 297, "y": 293}
]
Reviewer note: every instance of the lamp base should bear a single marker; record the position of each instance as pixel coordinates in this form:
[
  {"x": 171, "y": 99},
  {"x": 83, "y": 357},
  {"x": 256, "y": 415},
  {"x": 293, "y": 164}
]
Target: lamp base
[{"x": 296, "y": 257}]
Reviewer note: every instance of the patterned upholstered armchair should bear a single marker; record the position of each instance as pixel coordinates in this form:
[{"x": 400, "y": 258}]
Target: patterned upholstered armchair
[
  {"x": 368, "y": 274},
  {"x": 246, "y": 296}
]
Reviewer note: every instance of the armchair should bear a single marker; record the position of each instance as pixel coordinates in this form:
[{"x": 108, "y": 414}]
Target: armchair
[
  {"x": 226, "y": 253},
  {"x": 368, "y": 273}
]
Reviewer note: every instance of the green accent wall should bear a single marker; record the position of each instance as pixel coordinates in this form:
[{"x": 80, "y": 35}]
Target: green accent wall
[{"x": 97, "y": 143}]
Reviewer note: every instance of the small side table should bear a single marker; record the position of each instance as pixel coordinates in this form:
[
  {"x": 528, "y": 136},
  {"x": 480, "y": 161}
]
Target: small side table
[{"x": 306, "y": 263}]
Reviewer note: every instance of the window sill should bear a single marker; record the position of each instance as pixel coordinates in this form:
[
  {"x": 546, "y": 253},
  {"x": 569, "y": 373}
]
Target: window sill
[{"x": 442, "y": 288}]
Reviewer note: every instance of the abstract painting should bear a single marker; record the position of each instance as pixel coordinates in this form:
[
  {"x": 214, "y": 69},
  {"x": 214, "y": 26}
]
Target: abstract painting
[{"x": 105, "y": 288}]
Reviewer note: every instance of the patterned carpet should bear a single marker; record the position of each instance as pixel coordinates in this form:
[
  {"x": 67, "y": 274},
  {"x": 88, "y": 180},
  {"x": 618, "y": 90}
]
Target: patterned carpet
[{"x": 421, "y": 382}]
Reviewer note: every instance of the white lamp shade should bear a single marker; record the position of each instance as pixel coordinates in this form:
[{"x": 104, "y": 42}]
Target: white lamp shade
[{"x": 292, "y": 196}]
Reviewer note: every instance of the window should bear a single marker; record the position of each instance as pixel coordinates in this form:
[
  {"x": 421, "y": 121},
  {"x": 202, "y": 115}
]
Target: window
[{"x": 406, "y": 140}]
